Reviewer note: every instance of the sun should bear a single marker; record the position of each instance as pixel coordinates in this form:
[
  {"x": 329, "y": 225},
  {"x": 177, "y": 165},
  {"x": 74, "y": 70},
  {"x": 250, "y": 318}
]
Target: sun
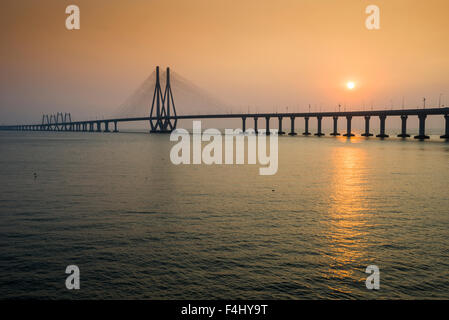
[{"x": 350, "y": 85}]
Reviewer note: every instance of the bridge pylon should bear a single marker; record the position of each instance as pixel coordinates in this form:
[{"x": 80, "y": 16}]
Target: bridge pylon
[{"x": 162, "y": 107}]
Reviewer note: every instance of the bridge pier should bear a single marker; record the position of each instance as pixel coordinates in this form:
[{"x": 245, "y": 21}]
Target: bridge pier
[
  {"x": 446, "y": 134},
  {"x": 367, "y": 133},
  {"x": 267, "y": 126},
  {"x": 280, "y": 126},
  {"x": 319, "y": 133},
  {"x": 382, "y": 127},
  {"x": 292, "y": 127},
  {"x": 91, "y": 127},
  {"x": 84, "y": 126},
  {"x": 348, "y": 127},
  {"x": 255, "y": 124},
  {"x": 403, "y": 127},
  {"x": 335, "y": 133},
  {"x": 106, "y": 126},
  {"x": 306, "y": 125},
  {"x": 98, "y": 126},
  {"x": 115, "y": 126},
  {"x": 422, "y": 127},
  {"x": 243, "y": 124}
]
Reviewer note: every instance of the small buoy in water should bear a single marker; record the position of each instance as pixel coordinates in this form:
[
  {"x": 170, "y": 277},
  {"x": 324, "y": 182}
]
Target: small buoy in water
[{"x": 272, "y": 190}]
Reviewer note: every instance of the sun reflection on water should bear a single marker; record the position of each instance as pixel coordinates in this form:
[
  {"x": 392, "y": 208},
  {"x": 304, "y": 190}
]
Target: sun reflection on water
[{"x": 347, "y": 220}]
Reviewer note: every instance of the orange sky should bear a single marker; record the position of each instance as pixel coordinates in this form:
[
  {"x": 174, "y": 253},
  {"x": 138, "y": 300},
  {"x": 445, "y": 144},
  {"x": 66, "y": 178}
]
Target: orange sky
[{"x": 263, "y": 53}]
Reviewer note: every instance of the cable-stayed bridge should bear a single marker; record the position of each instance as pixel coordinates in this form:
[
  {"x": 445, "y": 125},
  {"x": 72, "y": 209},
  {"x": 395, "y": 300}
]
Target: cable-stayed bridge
[{"x": 163, "y": 116}]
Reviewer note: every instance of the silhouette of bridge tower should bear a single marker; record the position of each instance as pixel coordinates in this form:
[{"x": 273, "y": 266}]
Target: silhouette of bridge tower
[
  {"x": 161, "y": 119},
  {"x": 56, "y": 122}
]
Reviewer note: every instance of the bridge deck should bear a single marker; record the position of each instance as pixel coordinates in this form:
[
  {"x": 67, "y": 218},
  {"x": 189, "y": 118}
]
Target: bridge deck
[{"x": 408, "y": 112}]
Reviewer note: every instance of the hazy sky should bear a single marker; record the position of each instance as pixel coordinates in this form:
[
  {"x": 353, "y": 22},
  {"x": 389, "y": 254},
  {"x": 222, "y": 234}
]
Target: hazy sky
[{"x": 264, "y": 53}]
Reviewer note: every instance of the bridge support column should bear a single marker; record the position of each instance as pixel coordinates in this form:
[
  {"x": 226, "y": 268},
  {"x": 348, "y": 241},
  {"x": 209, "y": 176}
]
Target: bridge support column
[
  {"x": 319, "y": 133},
  {"x": 267, "y": 126},
  {"x": 306, "y": 124},
  {"x": 115, "y": 126},
  {"x": 422, "y": 127},
  {"x": 348, "y": 127},
  {"x": 244, "y": 124},
  {"x": 98, "y": 126},
  {"x": 106, "y": 126},
  {"x": 91, "y": 127},
  {"x": 255, "y": 125},
  {"x": 367, "y": 133},
  {"x": 382, "y": 127},
  {"x": 446, "y": 134},
  {"x": 403, "y": 127},
  {"x": 280, "y": 126},
  {"x": 292, "y": 127},
  {"x": 335, "y": 133}
]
